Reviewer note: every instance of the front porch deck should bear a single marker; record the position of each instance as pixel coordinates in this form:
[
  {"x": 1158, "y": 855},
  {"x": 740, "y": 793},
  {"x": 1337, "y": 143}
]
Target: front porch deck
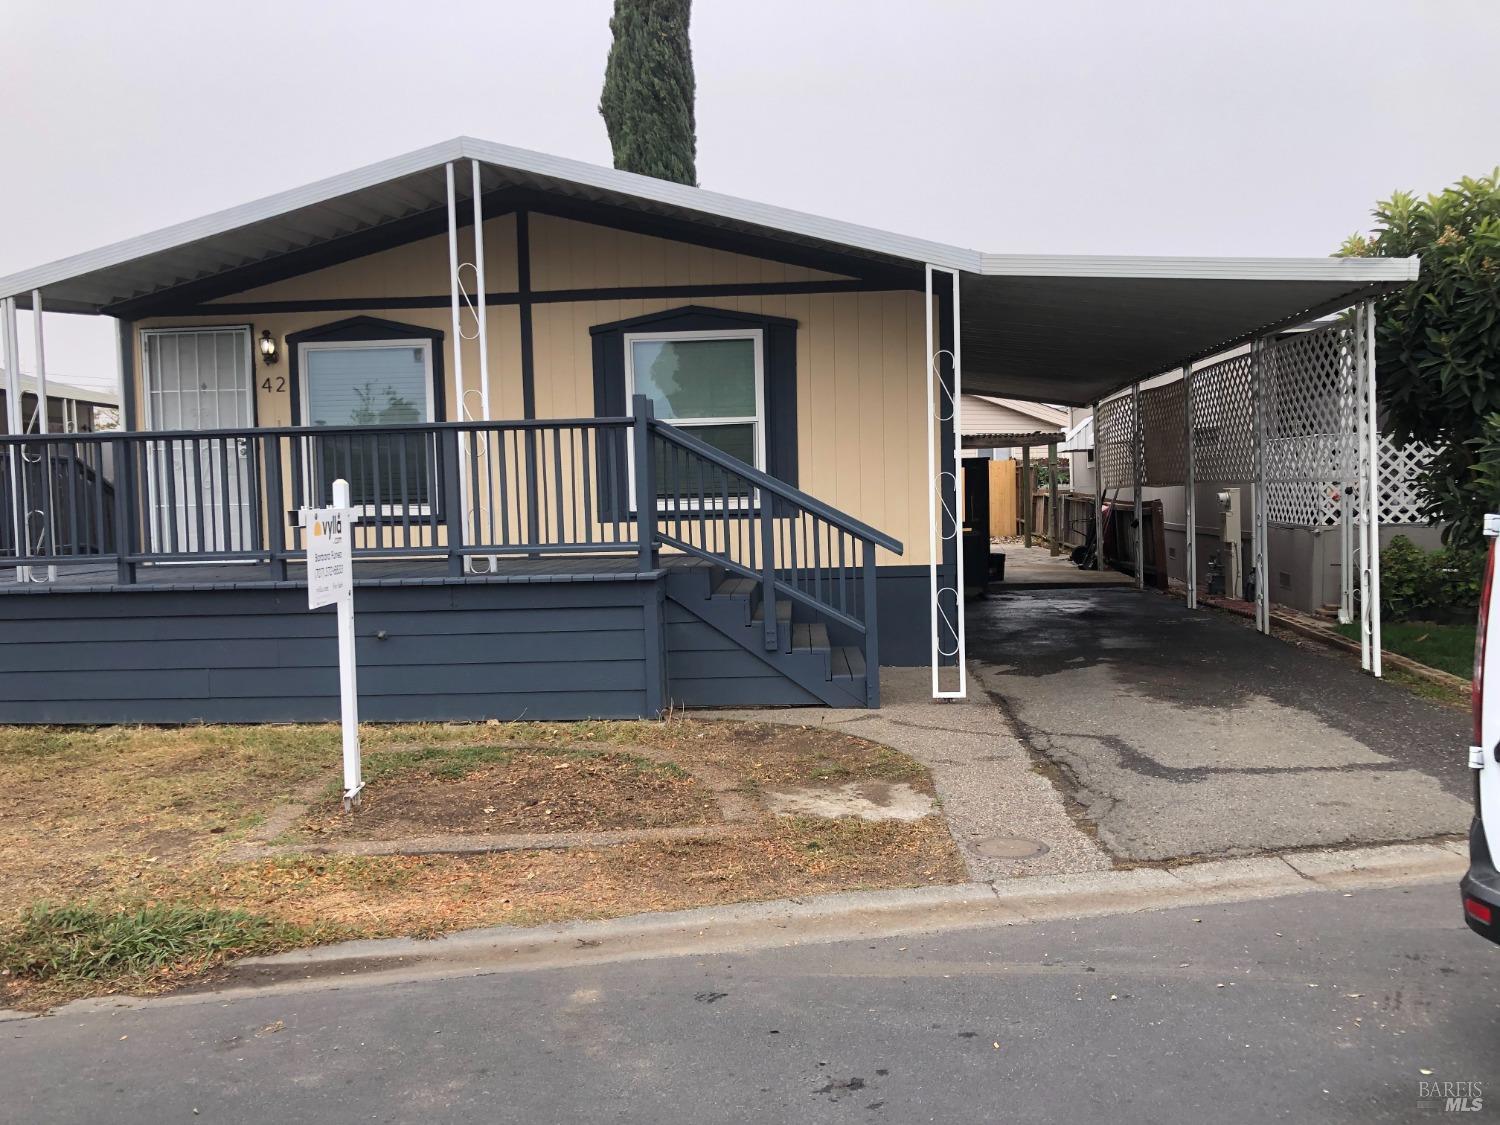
[{"x": 584, "y": 568}]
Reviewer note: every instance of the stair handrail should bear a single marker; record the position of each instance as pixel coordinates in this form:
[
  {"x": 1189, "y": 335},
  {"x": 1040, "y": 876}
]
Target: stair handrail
[{"x": 778, "y": 488}]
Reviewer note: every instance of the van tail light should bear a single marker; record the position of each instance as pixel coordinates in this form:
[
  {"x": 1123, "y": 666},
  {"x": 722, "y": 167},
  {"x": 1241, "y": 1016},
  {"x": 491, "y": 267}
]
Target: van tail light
[
  {"x": 1484, "y": 627},
  {"x": 1477, "y": 910}
]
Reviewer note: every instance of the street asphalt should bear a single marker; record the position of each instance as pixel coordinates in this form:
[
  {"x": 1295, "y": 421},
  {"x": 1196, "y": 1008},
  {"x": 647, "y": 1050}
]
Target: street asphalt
[
  {"x": 1186, "y": 734},
  {"x": 1314, "y": 1007}
]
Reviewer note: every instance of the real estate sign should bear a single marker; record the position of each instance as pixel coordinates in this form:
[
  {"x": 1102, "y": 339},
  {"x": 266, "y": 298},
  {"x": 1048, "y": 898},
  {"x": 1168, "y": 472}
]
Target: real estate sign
[
  {"x": 330, "y": 581},
  {"x": 330, "y": 556}
]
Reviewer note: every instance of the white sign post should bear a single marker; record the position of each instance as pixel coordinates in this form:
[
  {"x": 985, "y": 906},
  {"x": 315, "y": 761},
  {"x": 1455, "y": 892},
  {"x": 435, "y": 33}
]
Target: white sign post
[{"x": 330, "y": 581}]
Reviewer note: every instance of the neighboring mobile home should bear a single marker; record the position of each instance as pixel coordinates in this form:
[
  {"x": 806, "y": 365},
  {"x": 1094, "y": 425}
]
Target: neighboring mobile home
[
  {"x": 501, "y": 395},
  {"x": 71, "y": 408}
]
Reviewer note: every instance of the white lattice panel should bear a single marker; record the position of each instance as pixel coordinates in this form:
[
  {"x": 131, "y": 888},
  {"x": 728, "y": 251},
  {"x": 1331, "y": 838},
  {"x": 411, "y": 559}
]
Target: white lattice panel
[
  {"x": 1114, "y": 435},
  {"x": 1308, "y": 395},
  {"x": 1310, "y": 426},
  {"x": 1400, "y": 465},
  {"x": 1223, "y": 424},
  {"x": 1163, "y": 423}
]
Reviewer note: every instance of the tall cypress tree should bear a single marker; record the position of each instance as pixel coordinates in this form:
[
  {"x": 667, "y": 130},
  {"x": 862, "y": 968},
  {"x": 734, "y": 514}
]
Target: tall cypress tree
[{"x": 647, "y": 101}]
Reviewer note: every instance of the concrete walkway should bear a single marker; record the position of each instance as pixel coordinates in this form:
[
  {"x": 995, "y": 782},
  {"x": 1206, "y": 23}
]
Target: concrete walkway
[
  {"x": 1185, "y": 733},
  {"x": 1038, "y": 567}
]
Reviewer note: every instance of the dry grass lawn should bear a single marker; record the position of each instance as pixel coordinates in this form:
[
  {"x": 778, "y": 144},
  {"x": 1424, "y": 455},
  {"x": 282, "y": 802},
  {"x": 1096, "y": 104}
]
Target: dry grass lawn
[{"x": 131, "y": 818}]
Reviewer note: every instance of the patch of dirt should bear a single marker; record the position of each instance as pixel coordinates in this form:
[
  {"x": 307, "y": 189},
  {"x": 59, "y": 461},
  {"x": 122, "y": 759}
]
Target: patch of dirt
[
  {"x": 868, "y": 800},
  {"x": 771, "y": 754},
  {"x": 527, "y": 791}
]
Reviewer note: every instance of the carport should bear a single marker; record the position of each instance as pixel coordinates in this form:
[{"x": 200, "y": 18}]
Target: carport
[{"x": 1251, "y": 371}]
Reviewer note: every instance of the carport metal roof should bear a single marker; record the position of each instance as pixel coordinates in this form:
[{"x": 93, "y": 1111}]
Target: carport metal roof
[{"x": 1064, "y": 329}]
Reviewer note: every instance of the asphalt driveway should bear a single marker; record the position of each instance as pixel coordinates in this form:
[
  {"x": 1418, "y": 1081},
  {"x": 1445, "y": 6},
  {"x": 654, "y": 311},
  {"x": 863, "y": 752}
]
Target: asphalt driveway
[{"x": 1185, "y": 733}]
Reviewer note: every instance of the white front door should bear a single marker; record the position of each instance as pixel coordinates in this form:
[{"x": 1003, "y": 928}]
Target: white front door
[{"x": 199, "y": 489}]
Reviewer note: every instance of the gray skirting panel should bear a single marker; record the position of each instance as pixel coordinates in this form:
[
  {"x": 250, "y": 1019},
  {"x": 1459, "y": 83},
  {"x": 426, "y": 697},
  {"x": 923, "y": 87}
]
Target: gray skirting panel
[
  {"x": 613, "y": 646},
  {"x": 539, "y": 650}
]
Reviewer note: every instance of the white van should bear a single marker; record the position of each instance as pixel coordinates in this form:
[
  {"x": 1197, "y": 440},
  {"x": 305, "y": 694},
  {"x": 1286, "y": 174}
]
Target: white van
[{"x": 1481, "y": 883}]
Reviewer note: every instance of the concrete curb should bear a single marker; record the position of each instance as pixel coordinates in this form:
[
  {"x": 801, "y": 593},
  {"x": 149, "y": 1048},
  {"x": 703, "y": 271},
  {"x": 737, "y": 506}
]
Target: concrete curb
[{"x": 844, "y": 916}]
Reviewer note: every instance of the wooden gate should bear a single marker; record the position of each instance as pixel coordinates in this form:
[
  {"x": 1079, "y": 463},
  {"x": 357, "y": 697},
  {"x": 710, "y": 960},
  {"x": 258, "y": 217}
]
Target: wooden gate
[{"x": 1005, "y": 511}]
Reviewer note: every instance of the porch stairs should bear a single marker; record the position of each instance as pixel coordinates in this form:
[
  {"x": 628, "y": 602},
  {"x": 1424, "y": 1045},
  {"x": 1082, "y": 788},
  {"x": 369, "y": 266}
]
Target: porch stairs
[
  {"x": 777, "y": 600},
  {"x": 703, "y": 597}
]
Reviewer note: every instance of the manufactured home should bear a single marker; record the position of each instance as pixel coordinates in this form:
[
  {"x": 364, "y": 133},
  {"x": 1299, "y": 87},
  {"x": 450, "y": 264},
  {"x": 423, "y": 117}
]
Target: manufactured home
[{"x": 615, "y": 444}]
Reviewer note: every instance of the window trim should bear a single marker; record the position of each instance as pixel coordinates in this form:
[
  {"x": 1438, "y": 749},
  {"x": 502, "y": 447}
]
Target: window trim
[
  {"x": 304, "y": 391},
  {"x": 757, "y": 422}
]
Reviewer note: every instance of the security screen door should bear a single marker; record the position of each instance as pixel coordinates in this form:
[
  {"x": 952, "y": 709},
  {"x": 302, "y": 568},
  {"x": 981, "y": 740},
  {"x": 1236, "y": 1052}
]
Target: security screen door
[{"x": 199, "y": 379}]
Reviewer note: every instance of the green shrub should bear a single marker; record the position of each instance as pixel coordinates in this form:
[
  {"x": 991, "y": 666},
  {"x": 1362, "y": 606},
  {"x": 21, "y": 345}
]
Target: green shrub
[{"x": 1418, "y": 584}]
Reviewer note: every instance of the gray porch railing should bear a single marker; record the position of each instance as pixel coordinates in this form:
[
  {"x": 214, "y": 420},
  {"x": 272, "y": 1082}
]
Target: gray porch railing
[
  {"x": 451, "y": 490},
  {"x": 445, "y": 490}
]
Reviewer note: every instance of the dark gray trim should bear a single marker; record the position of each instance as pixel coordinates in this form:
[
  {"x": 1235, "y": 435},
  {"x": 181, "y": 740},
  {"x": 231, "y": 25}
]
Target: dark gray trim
[
  {"x": 723, "y": 318},
  {"x": 540, "y": 297},
  {"x": 772, "y": 246},
  {"x": 129, "y": 412},
  {"x": 359, "y": 328},
  {"x": 528, "y": 347},
  {"x": 331, "y": 304},
  {"x": 779, "y": 355}
]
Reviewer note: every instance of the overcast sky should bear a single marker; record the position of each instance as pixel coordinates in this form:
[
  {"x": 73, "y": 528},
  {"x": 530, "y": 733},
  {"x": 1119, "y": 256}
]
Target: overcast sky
[{"x": 1264, "y": 128}]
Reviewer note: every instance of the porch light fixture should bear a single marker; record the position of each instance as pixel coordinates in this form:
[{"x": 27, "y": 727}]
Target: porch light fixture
[{"x": 267, "y": 347}]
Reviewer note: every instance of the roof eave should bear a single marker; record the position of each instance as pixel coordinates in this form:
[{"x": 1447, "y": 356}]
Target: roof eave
[{"x": 1359, "y": 271}]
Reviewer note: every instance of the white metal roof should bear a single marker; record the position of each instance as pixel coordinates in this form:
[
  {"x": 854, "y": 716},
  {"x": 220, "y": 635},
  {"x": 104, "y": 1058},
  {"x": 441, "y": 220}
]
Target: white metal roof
[
  {"x": 1057, "y": 328},
  {"x": 1080, "y": 436}
]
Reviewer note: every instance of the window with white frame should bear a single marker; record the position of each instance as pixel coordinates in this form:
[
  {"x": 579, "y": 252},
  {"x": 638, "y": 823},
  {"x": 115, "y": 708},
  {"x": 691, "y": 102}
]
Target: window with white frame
[
  {"x": 369, "y": 384},
  {"x": 710, "y": 383}
]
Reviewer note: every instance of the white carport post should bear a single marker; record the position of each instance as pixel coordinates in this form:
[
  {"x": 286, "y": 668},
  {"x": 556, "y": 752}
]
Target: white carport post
[
  {"x": 14, "y": 424},
  {"x": 1098, "y": 492},
  {"x": 484, "y": 450},
  {"x": 42, "y": 425},
  {"x": 1189, "y": 488},
  {"x": 455, "y": 285},
  {"x": 1259, "y": 509},
  {"x": 484, "y": 336},
  {"x": 1136, "y": 458},
  {"x": 1370, "y": 509},
  {"x": 939, "y": 515},
  {"x": 1362, "y": 484}
]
